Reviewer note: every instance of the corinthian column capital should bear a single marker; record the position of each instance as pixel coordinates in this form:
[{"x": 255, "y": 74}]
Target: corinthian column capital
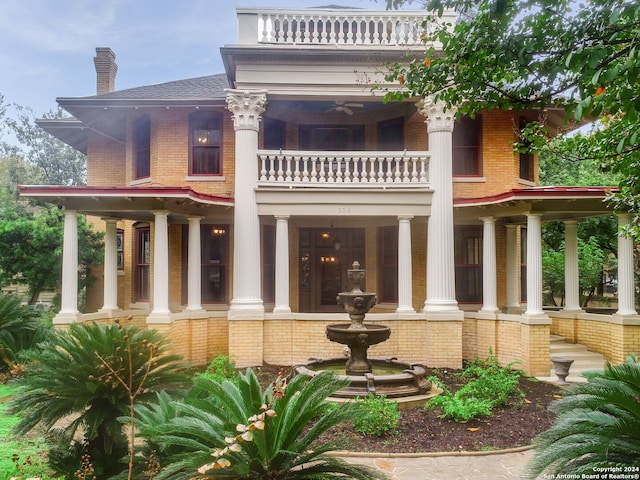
[
  {"x": 246, "y": 107},
  {"x": 438, "y": 119}
]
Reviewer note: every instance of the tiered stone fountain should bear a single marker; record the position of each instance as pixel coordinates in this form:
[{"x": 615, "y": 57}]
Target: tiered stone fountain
[{"x": 387, "y": 377}]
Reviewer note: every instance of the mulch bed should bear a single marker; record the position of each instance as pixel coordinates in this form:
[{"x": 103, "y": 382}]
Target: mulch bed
[{"x": 514, "y": 425}]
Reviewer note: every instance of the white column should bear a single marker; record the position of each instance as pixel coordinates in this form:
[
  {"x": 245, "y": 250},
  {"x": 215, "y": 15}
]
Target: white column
[
  {"x": 626, "y": 287},
  {"x": 246, "y": 108},
  {"x": 441, "y": 296},
  {"x": 110, "y": 267},
  {"x": 405, "y": 285},
  {"x": 513, "y": 269},
  {"x": 69, "y": 295},
  {"x": 489, "y": 293},
  {"x": 534, "y": 265},
  {"x": 160, "y": 312},
  {"x": 282, "y": 265},
  {"x": 194, "y": 268},
  {"x": 571, "y": 275}
]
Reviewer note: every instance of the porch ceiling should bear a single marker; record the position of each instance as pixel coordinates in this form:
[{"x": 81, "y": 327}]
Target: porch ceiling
[
  {"x": 553, "y": 203},
  {"x": 132, "y": 203}
]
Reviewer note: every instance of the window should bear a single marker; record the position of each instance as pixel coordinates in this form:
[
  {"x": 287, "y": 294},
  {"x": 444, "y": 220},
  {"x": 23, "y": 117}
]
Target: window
[
  {"x": 142, "y": 146},
  {"x": 269, "y": 263},
  {"x": 391, "y": 134},
  {"x": 526, "y": 158},
  {"x": 467, "y": 158},
  {"x": 214, "y": 263},
  {"x": 120, "y": 248},
  {"x": 143, "y": 262},
  {"x": 206, "y": 143},
  {"x": 388, "y": 270},
  {"x": 523, "y": 264},
  {"x": 332, "y": 138},
  {"x": 274, "y": 134},
  {"x": 468, "y": 260}
]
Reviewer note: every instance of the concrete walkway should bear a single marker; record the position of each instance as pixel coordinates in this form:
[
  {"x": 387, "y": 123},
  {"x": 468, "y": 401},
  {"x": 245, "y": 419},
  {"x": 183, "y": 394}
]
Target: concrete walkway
[{"x": 474, "y": 466}]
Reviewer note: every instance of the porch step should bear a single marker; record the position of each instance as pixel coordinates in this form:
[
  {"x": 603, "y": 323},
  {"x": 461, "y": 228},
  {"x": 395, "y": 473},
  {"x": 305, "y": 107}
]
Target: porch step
[{"x": 583, "y": 358}]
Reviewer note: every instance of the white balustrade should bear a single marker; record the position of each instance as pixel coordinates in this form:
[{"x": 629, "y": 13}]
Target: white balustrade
[
  {"x": 384, "y": 169},
  {"x": 335, "y": 27}
]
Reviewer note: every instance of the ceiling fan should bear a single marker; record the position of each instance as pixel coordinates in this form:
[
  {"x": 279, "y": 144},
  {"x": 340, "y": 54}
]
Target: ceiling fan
[{"x": 345, "y": 107}]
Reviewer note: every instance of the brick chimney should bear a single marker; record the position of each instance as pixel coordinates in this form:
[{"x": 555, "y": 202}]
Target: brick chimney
[{"x": 106, "y": 69}]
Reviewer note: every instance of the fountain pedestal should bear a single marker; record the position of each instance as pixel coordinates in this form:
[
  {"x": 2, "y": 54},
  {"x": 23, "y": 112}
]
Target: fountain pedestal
[{"x": 405, "y": 382}]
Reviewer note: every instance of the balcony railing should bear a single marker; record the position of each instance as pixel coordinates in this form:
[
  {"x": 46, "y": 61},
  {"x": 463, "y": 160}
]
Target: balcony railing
[
  {"x": 334, "y": 27},
  {"x": 343, "y": 169}
]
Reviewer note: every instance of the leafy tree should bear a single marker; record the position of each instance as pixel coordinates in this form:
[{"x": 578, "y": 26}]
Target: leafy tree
[
  {"x": 31, "y": 246},
  {"x": 598, "y": 425},
  {"x": 238, "y": 430},
  {"x": 55, "y": 162},
  {"x": 532, "y": 55},
  {"x": 91, "y": 374}
]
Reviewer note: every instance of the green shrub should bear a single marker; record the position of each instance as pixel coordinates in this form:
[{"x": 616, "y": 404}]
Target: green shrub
[
  {"x": 488, "y": 385},
  {"x": 222, "y": 368},
  {"x": 376, "y": 415}
]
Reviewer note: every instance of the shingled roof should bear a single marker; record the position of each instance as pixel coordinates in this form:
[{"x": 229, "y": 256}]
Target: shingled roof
[{"x": 209, "y": 87}]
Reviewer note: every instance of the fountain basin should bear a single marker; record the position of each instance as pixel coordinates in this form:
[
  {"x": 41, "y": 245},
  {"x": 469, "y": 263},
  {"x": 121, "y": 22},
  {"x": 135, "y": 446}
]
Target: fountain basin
[
  {"x": 359, "y": 337},
  {"x": 345, "y": 334},
  {"x": 396, "y": 380}
]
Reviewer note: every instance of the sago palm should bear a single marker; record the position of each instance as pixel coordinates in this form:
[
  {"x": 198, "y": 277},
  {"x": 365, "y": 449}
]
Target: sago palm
[
  {"x": 598, "y": 425},
  {"x": 21, "y": 328},
  {"x": 237, "y": 431},
  {"x": 91, "y": 375}
]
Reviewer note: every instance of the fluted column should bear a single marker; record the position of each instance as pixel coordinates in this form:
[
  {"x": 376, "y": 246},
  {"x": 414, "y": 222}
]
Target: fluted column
[
  {"x": 534, "y": 265},
  {"x": 489, "y": 293},
  {"x": 626, "y": 287},
  {"x": 513, "y": 269},
  {"x": 571, "y": 274},
  {"x": 160, "y": 312},
  {"x": 110, "y": 267},
  {"x": 246, "y": 108},
  {"x": 441, "y": 295},
  {"x": 282, "y": 265},
  {"x": 194, "y": 267},
  {"x": 69, "y": 295},
  {"x": 405, "y": 285}
]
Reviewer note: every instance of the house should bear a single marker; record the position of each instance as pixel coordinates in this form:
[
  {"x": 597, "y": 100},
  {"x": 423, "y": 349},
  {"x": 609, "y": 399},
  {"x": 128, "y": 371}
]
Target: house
[{"x": 233, "y": 204}]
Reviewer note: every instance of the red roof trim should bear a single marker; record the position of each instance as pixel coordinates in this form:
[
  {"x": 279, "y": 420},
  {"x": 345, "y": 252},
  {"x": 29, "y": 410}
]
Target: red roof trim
[
  {"x": 535, "y": 193},
  {"x": 88, "y": 191}
]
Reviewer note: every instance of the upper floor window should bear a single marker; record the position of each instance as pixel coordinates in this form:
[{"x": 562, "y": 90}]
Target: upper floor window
[
  {"x": 142, "y": 147},
  {"x": 332, "y": 137},
  {"x": 391, "y": 134},
  {"x": 467, "y": 158},
  {"x": 205, "y": 132},
  {"x": 120, "y": 248},
  {"x": 526, "y": 158},
  {"x": 274, "y": 134}
]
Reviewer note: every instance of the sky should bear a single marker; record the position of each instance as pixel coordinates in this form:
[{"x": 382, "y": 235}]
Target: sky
[{"x": 47, "y": 46}]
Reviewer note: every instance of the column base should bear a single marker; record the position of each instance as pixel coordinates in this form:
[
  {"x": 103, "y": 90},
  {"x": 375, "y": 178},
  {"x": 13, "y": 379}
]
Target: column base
[
  {"x": 110, "y": 310},
  {"x": 405, "y": 310},
  {"x": 440, "y": 306},
  {"x": 65, "y": 318},
  {"x": 159, "y": 317},
  {"x": 246, "y": 309},
  {"x": 282, "y": 309}
]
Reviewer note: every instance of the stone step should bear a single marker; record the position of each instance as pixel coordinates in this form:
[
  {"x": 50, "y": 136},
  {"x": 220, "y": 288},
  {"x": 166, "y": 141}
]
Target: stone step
[{"x": 584, "y": 359}]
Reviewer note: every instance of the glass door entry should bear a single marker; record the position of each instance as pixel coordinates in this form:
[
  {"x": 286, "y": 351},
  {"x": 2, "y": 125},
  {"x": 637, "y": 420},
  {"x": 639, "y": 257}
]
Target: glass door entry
[{"x": 325, "y": 257}]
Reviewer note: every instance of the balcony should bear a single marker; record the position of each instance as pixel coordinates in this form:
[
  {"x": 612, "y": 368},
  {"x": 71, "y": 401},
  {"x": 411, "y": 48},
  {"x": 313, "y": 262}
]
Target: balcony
[
  {"x": 378, "y": 170},
  {"x": 332, "y": 27}
]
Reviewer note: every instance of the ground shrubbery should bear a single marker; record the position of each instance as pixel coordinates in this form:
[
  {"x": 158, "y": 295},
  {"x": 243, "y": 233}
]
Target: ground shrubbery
[
  {"x": 376, "y": 415},
  {"x": 486, "y": 385}
]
